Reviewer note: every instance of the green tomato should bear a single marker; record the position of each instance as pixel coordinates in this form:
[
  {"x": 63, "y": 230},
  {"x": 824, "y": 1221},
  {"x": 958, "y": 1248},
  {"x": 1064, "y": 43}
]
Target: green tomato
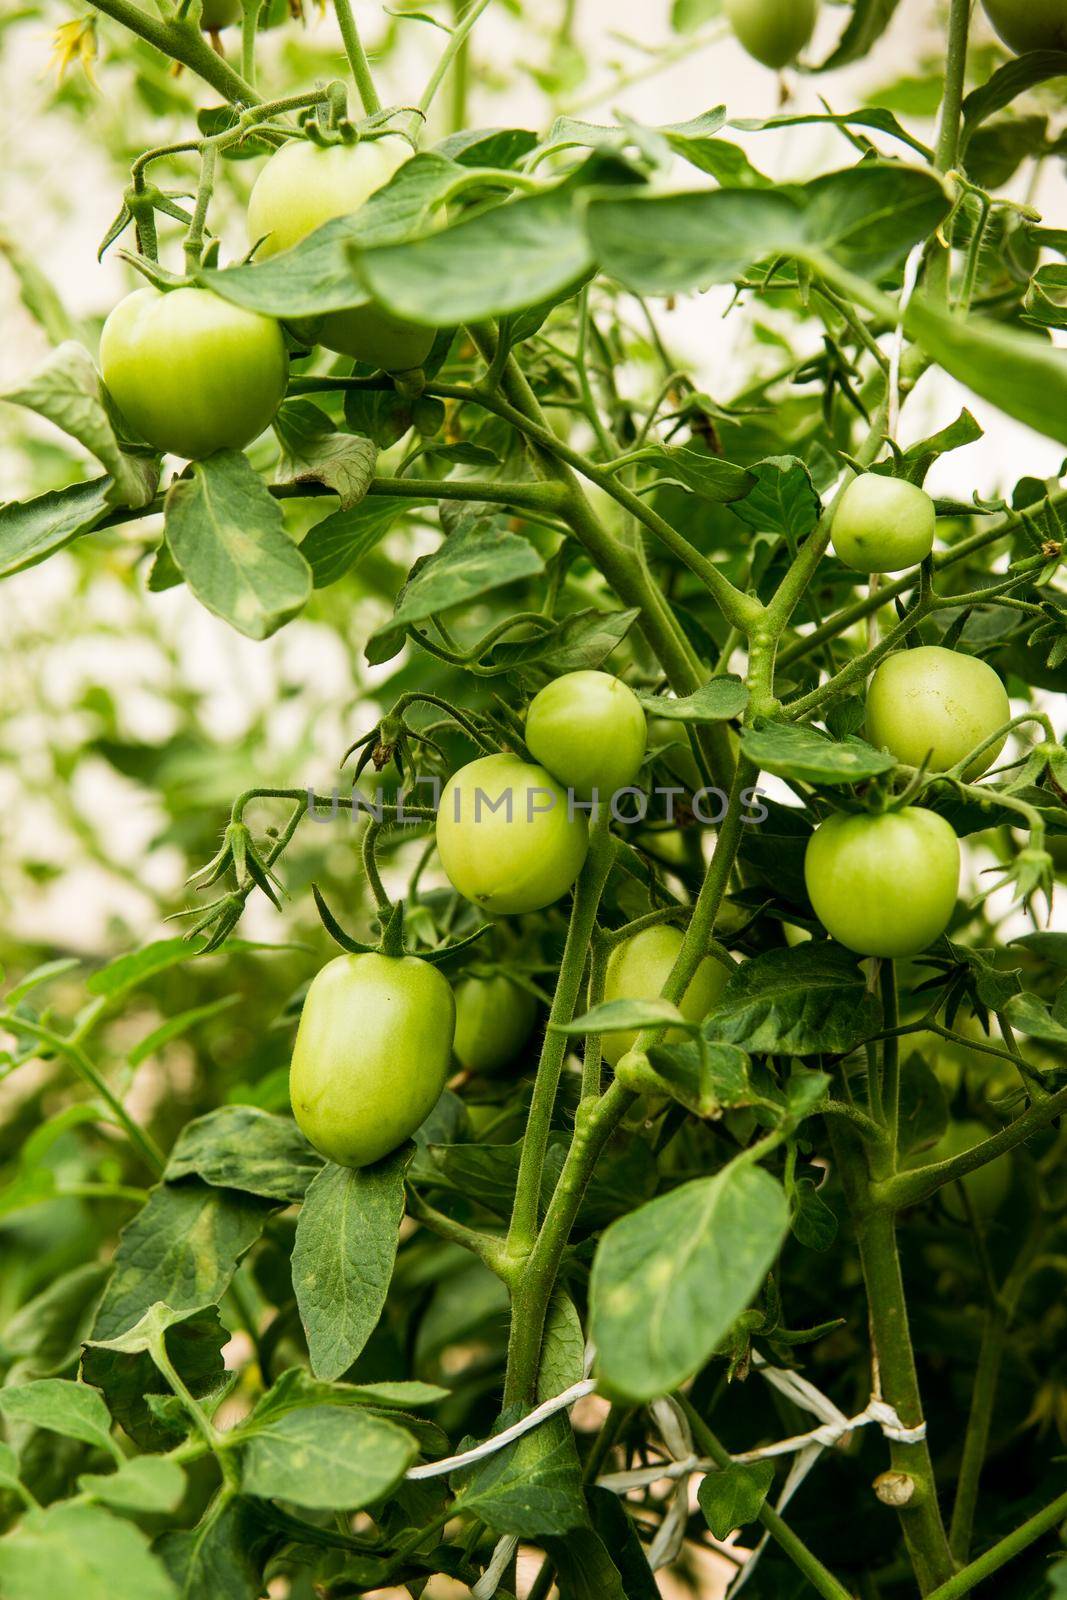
[
  {"x": 637, "y": 970},
  {"x": 986, "y": 1188},
  {"x": 1029, "y": 24},
  {"x": 305, "y": 185},
  {"x": 884, "y": 885},
  {"x": 494, "y": 1019},
  {"x": 774, "y": 32},
  {"x": 372, "y": 1054},
  {"x": 935, "y": 705},
  {"x": 508, "y": 838},
  {"x": 883, "y": 524},
  {"x": 589, "y": 731},
  {"x": 192, "y": 373}
]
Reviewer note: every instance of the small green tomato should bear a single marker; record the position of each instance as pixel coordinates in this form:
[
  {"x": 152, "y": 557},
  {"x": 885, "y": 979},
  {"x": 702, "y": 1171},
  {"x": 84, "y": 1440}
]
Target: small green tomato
[
  {"x": 588, "y": 729},
  {"x": 494, "y": 1019},
  {"x": 934, "y": 705},
  {"x": 637, "y": 970},
  {"x": 774, "y": 32},
  {"x": 883, "y": 524}
]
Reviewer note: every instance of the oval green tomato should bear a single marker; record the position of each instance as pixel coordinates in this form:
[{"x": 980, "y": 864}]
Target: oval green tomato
[
  {"x": 986, "y": 1187},
  {"x": 1029, "y": 24},
  {"x": 935, "y": 705},
  {"x": 305, "y": 185},
  {"x": 884, "y": 885},
  {"x": 774, "y": 32},
  {"x": 494, "y": 1019},
  {"x": 589, "y": 730},
  {"x": 217, "y": 14},
  {"x": 637, "y": 970},
  {"x": 883, "y": 524},
  {"x": 372, "y": 1054},
  {"x": 508, "y": 838},
  {"x": 192, "y": 373}
]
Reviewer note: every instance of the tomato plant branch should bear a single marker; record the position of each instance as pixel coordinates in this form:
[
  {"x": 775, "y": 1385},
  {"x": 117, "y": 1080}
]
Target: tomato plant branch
[
  {"x": 182, "y": 41},
  {"x": 485, "y": 1246},
  {"x": 357, "y": 56},
  {"x": 1005, "y": 1550}
]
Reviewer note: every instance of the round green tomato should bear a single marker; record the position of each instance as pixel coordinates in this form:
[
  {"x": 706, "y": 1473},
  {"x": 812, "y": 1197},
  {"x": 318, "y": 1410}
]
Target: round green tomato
[
  {"x": 934, "y": 705},
  {"x": 637, "y": 970},
  {"x": 305, "y": 185},
  {"x": 192, "y": 373},
  {"x": 217, "y": 14},
  {"x": 883, "y": 524},
  {"x": 774, "y": 32},
  {"x": 1029, "y": 24},
  {"x": 885, "y": 885},
  {"x": 589, "y": 731},
  {"x": 986, "y": 1188},
  {"x": 494, "y": 1019},
  {"x": 372, "y": 1053},
  {"x": 508, "y": 838}
]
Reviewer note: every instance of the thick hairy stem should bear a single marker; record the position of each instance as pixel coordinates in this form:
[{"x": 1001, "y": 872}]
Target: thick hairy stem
[
  {"x": 183, "y": 42},
  {"x": 875, "y": 1226}
]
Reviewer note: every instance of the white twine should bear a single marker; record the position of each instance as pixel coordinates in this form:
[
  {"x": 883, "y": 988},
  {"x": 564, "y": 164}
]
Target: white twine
[{"x": 547, "y": 1408}]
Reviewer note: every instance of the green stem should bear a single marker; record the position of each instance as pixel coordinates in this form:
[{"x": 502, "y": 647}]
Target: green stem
[
  {"x": 460, "y": 73},
  {"x": 357, "y": 57},
  {"x": 1002, "y": 1552},
  {"x": 449, "y": 53},
  {"x": 946, "y": 152},
  {"x": 587, "y": 891},
  {"x": 897, "y": 1379},
  {"x": 890, "y": 1053},
  {"x": 183, "y": 42},
  {"x": 85, "y": 1069},
  {"x": 821, "y": 1579}
]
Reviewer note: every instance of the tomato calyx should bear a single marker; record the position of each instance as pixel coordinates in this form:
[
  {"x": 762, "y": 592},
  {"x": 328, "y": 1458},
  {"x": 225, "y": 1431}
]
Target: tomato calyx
[{"x": 391, "y": 941}]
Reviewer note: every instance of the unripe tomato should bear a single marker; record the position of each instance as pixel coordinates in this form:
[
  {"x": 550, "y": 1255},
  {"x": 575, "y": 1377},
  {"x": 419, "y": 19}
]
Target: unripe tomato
[
  {"x": 192, "y": 373},
  {"x": 494, "y": 1019},
  {"x": 589, "y": 730},
  {"x": 883, "y": 524},
  {"x": 372, "y": 1053},
  {"x": 884, "y": 885},
  {"x": 507, "y": 836},
  {"x": 637, "y": 970},
  {"x": 986, "y": 1188},
  {"x": 305, "y": 185},
  {"x": 1029, "y": 24},
  {"x": 772, "y": 31},
  {"x": 934, "y": 705}
]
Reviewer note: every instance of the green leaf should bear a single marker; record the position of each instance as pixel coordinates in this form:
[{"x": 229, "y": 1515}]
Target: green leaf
[
  {"x": 734, "y": 1496},
  {"x": 479, "y": 557},
  {"x": 227, "y": 535},
  {"x": 242, "y": 1147},
  {"x": 1031, "y": 1016},
  {"x": 866, "y": 217},
  {"x": 144, "y": 1483},
  {"x": 177, "y": 1026},
  {"x": 33, "y": 530},
  {"x": 1018, "y": 372},
  {"x": 326, "y": 1457},
  {"x": 806, "y": 1001},
  {"x": 343, "y": 1257},
  {"x": 783, "y": 500},
  {"x": 705, "y": 475},
  {"x": 867, "y": 22},
  {"x": 530, "y": 1488},
  {"x": 296, "y": 1389},
  {"x": 704, "y": 1080},
  {"x": 39, "y": 975},
  {"x": 220, "y": 1557},
  {"x": 67, "y": 389},
  {"x": 582, "y": 641},
  {"x": 313, "y": 451},
  {"x": 130, "y": 971},
  {"x": 127, "y": 1370},
  {"x": 793, "y": 750},
  {"x": 622, "y": 1016},
  {"x": 342, "y": 539},
  {"x": 488, "y": 147},
  {"x": 9, "y": 1469},
  {"x": 670, "y": 1279},
  {"x": 813, "y": 1223},
  {"x": 562, "y": 1348},
  {"x": 181, "y": 1249},
  {"x": 718, "y": 700},
  {"x": 923, "y": 1115},
  {"x": 61, "y": 1406},
  {"x": 1007, "y": 83},
  {"x": 79, "y": 1551}
]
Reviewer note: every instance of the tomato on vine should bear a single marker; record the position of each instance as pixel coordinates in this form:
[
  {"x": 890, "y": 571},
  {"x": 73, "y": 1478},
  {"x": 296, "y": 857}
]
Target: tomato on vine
[
  {"x": 935, "y": 705},
  {"x": 589, "y": 730},
  {"x": 508, "y": 837},
  {"x": 640, "y": 966},
  {"x": 494, "y": 1019},
  {"x": 883, "y": 524},
  {"x": 305, "y": 185},
  {"x": 1029, "y": 24},
  {"x": 192, "y": 373},
  {"x": 372, "y": 1053},
  {"x": 774, "y": 32},
  {"x": 884, "y": 885},
  {"x": 217, "y": 14}
]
